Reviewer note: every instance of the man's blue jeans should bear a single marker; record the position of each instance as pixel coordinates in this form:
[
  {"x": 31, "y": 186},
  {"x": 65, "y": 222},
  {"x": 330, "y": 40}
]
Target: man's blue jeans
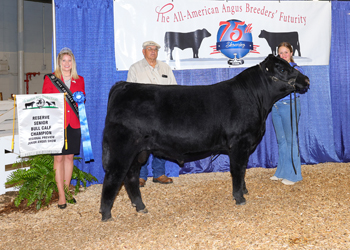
[
  {"x": 158, "y": 166},
  {"x": 286, "y": 139}
]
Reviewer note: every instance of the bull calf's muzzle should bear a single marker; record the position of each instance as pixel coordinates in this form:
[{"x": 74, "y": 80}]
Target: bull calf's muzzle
[{"x": 303, "y": 88}]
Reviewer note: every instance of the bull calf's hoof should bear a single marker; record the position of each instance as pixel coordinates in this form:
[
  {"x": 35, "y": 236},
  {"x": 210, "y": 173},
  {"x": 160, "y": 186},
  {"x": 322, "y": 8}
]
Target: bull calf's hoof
[
  {"x": 106, "y": 217},
  {"x": 110, "y": 219},
  {"x": 241, "y": 201},
  {"x": 143, "y": 211}
]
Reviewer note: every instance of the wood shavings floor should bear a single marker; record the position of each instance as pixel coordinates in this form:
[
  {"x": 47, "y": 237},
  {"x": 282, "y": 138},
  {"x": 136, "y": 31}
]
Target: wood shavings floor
[{"x": 197, "y": 212}]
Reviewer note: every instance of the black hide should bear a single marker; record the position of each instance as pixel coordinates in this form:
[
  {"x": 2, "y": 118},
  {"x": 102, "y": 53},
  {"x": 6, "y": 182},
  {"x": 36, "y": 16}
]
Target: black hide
[{"x": 183, "y": 123}]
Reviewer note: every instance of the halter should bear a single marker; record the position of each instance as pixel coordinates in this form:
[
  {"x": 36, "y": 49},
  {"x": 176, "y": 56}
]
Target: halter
[{"x": 290, "y": 82}]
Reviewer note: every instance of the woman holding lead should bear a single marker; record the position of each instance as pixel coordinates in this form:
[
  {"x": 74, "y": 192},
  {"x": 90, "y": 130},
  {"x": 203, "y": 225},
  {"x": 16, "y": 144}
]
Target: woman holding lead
[{"x": 285, "y": 125}]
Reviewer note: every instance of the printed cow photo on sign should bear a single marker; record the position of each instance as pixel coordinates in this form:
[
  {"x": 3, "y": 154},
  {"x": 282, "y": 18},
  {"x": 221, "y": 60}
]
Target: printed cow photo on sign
[
  {"x": 274, "y": 39},
  {"x": 190, "y": 40}
]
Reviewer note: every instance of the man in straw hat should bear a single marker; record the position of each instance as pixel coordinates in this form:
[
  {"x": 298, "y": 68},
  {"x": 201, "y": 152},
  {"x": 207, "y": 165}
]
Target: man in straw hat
[{"x": 151, "y": 70}]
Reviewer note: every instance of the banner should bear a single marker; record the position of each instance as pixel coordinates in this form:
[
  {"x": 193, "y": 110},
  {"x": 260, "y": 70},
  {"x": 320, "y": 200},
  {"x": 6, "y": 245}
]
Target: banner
[
  {"x": 40, "y": 123},
  {"x": 207, "y": 34}
]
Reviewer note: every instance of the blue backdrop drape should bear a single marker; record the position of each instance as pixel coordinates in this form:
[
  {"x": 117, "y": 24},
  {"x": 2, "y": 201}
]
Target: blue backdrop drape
[
  {"x": 340, "y": 78},
  {"x": 86, "y": 26}
]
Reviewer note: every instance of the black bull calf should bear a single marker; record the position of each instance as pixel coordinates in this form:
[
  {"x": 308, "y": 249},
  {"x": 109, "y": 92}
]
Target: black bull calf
[{"x": 183, "y": 123}]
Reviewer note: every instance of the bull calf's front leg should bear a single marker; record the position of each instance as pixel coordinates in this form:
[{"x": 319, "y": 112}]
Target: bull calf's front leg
[
  {"x": 237, "y": 169},
  {"x": 237, "y": 192}
]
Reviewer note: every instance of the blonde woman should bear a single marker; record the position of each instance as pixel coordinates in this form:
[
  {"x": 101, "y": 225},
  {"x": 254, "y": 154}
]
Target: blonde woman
[{"x": 66, "y": 79}]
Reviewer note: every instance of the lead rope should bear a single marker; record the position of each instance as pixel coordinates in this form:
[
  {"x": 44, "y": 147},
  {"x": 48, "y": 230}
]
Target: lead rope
[
  {"x": 296, "y": 122},
  {"x": 291, "y": 123},
  {"x": 214, "y": 157}
]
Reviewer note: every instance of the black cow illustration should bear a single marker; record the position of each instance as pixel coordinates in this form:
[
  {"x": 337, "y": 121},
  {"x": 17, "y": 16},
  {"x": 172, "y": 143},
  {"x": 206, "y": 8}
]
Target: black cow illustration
[
  {"x": 275, "y": 38},
  {"x": 184, "y": 41},
  {"x": 29, "y": 104},
  {"x": 184, "y": 123},
  {"x": 50, "y": 103}
]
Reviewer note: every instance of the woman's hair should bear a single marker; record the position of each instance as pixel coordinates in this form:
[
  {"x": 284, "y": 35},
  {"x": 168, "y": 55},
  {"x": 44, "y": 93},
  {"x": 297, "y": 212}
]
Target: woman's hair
[
  {"x": 288, "y": 46},
  {"x": 58, "y": 70}
]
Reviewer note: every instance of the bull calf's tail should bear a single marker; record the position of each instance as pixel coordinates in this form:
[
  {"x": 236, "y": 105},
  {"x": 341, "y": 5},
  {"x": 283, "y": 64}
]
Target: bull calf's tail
[{"x": 105, "y": 151}]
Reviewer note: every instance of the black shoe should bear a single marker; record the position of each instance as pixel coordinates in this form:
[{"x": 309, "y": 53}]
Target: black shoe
[
  {"x": 63, "y": 206},
  {"x": 72, "y": 201}
]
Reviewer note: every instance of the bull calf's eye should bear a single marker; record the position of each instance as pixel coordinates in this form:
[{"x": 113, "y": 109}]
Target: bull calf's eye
[{"x": 267, "y": 69}]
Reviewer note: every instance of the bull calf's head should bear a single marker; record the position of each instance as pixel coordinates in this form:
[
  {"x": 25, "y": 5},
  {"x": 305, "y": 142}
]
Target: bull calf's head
[{"x": 279, "y": 70}]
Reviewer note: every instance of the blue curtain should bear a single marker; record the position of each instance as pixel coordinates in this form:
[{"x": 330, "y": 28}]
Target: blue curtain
[
  {"x": 340, "y": 78},
  {"x": 86, "y": 26}
]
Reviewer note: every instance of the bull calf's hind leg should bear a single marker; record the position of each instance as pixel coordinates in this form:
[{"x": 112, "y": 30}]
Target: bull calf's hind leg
[
  {"x": 245, "y": 190},
  {"x": 111, "y": 186},
  {"x": 131, "y": 184}
]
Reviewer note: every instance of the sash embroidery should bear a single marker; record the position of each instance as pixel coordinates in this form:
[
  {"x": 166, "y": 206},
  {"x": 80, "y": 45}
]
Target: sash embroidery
[{"x": 62, "y": 88}]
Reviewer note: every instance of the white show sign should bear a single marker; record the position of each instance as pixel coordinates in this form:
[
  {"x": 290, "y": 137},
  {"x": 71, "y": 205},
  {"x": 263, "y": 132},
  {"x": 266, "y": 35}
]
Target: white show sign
[{"x": 138, "y": 21}]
